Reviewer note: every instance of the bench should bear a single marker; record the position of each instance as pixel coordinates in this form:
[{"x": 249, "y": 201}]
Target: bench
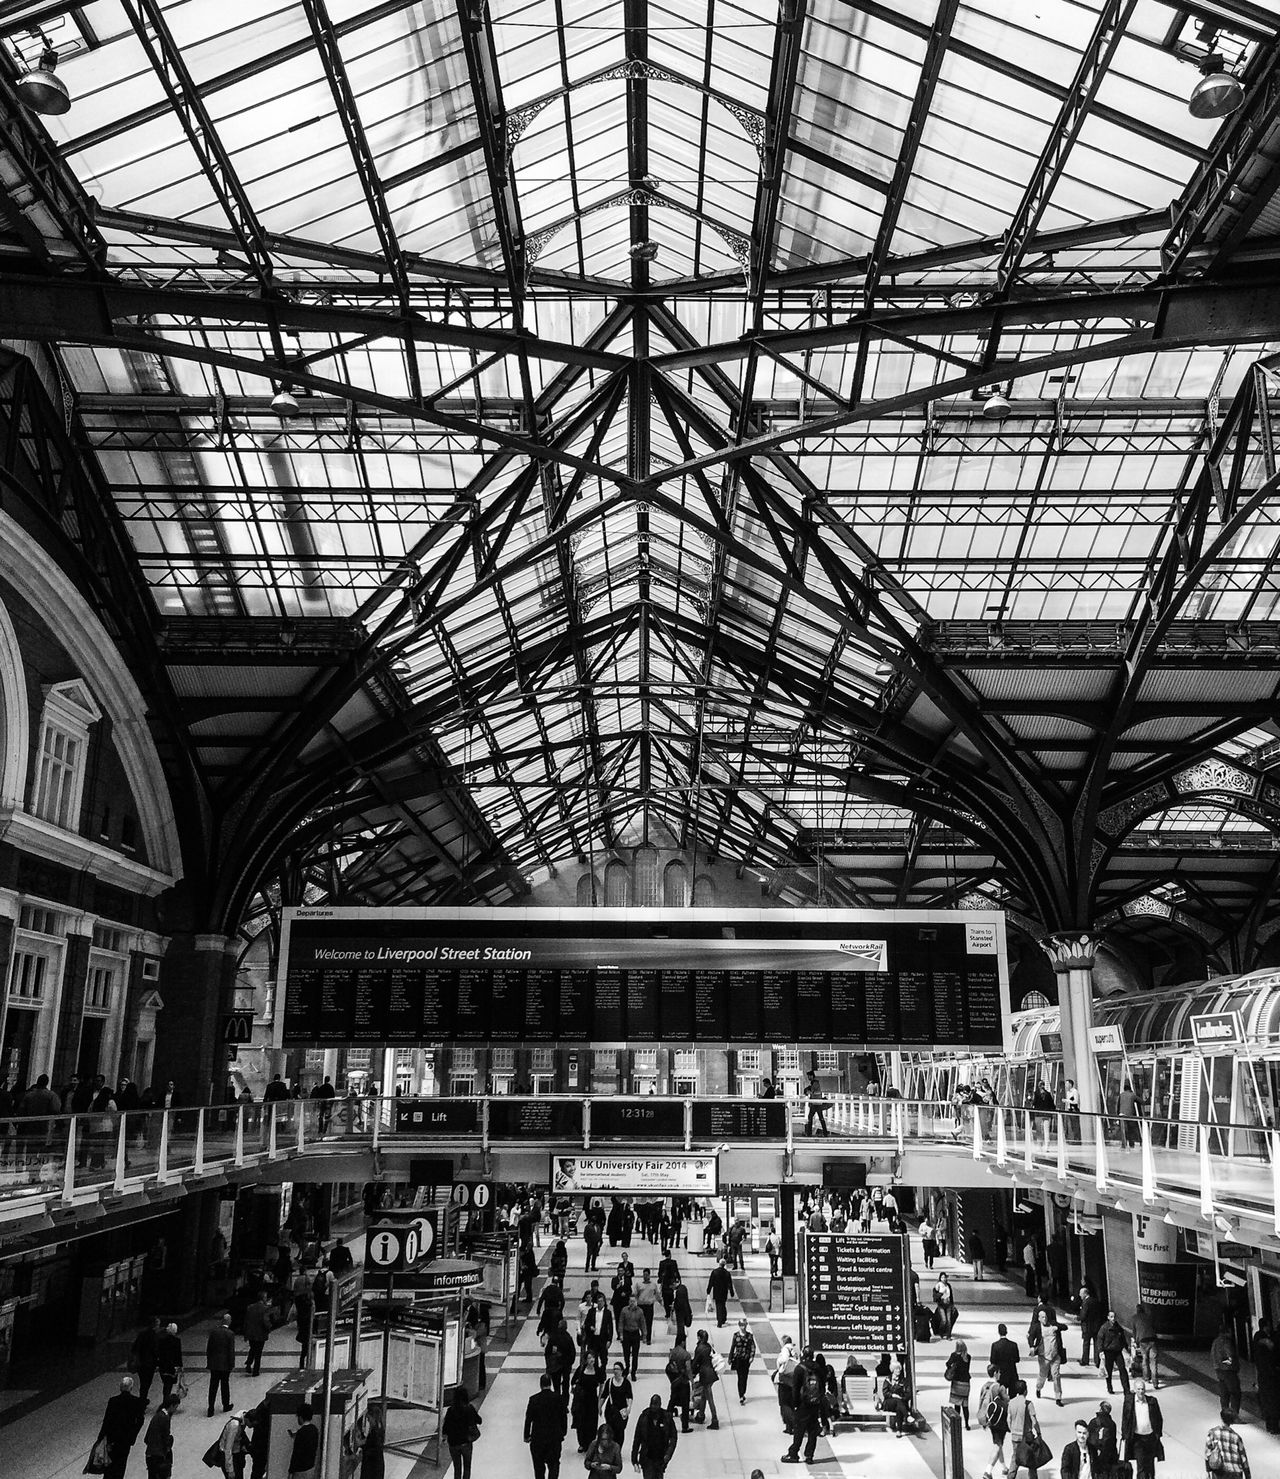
[{"x": 858, "y": 1401}]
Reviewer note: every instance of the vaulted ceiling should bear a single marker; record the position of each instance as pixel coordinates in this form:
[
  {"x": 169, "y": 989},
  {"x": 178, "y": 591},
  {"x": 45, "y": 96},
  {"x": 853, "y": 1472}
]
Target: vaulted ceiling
[{"x": 640, "y": 487}]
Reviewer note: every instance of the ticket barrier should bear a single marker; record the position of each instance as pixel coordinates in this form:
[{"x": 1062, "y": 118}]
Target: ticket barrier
[{"x": 344, "y": 1427}]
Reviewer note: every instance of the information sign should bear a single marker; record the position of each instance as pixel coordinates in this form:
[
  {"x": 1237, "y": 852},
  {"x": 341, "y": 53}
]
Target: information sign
[
  {"x": 740, "y": 1119},
  {"x": 535, "y": 1119},
  {"x": 861, "y": 978},
  {"x": 437, "y": 1117},
  {"x": 855, "y": 1292}
]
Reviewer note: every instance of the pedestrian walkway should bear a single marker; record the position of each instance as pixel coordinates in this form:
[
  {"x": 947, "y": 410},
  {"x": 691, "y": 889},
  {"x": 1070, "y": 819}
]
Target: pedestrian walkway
[{"x": 49, "y": 1439}]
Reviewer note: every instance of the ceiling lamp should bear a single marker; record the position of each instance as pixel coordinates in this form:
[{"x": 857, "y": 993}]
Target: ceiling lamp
[
  {"x": 1218, "y": 93},
  {"x": 41, "y": 89},
  {"x": 284, "y": 404},
  {"x": 996, "y": 406}
]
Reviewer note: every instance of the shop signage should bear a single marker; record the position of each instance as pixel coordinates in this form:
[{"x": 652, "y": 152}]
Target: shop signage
[
  {"x": 574, "y": 1175},
  {"x": 1213, "y": 1030},
  {"x": 445, "y": 1276},
  {"x": 1104, "y": 1040},
  {"x": 1165, "y": 1284}
]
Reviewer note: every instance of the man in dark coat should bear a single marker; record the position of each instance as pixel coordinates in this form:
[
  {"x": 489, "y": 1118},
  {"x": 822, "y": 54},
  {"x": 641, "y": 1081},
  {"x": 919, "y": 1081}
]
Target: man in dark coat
[
  {"x": 558, "y": 1354},
  {"x": 544, "y": 1430},
  {"x": 1090, "y": 1323},
  {"x": 681, "y": 1309},
  {"x": 1004, "y": 1357},
  {"x": 220, "y": 1357},
  {"x": 655, "y": 1440},
  {"x": 720, "y": 1288},
  {"x": 1104, "y": 1443},
  {"x": 1076, "y": 1458},
  {"x": 121, "y": 1424},
  {"x": 1142, "y": 1430}
]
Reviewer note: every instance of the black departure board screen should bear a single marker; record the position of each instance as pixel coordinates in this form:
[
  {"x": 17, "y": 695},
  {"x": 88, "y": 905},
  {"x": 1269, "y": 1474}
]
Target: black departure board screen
[
  {"x": 637, "y": 1119},
  {"x": 535, "y": 1119},
  {"x": 855, "y": 1292},
  {"x": 854, "y": 978},
  {"x": 739, "y": 1119}
]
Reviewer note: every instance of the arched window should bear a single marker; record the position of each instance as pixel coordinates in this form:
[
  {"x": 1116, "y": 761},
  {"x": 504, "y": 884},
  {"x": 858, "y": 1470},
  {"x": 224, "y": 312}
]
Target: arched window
[
  {"x": 704, "y": 891},
  {"x": 58, "y": 782},
  {"x": 675, "y": 886},
  {"x": 588, "y": 891},
  {"x": 648, "y": 884},
  {"x": 617, "y": 885}
]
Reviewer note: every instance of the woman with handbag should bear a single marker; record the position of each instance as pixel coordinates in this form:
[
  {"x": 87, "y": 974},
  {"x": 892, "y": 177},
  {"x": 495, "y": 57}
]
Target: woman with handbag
[
  {"x": 604, "y": 1457},
  {"x": 957, "y": 1373},
  {"x": 1030, "y": 1451},
  {"x": 461, "y": 1431}
]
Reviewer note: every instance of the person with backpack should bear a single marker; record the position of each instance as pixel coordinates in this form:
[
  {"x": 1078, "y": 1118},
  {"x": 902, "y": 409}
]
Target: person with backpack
[
  {"x": 1104, "y": 1452},
  {"x": 993, "y": 1407},
  {"x": 557, "y": 1354},
  {"x": 705, "y": 1377},
  {"x": 1049, "y": 1352},
  {"x": 773, "y": 1251},
  {"x": 1224, "y": 1451},
  {"x": 784, "y": 1383},
  {"x": 957, "y": 1373},
  {"x": 810, "y": 1415},
  {"x": 679, "y": 1374},
  {"x": 742, "y": 1351},
  {"x": 655, "y": 1440}
]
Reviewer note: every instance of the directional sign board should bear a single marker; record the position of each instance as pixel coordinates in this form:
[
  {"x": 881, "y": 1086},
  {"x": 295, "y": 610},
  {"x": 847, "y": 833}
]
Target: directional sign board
[{"x": 472, "y": 1196}]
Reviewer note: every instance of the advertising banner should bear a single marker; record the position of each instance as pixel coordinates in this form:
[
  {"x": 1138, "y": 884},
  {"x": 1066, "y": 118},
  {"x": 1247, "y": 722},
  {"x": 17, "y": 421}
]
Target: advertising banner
[
  {"x": 1169, "y": 1287},
  {"x": 661, "y": 1175}
]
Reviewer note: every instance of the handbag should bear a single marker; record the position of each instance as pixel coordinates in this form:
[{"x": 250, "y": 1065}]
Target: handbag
[
  {"x": 473, "y": 1434},
  {"x": 99, "y": 1457},
  {"x": 212, "y": 1458},
  {"x": 710, "y": 1307}
]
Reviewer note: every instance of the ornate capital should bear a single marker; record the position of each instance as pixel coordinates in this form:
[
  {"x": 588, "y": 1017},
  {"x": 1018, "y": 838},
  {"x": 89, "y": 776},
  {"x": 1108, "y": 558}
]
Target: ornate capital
[{"x": 1071, "y": 950}]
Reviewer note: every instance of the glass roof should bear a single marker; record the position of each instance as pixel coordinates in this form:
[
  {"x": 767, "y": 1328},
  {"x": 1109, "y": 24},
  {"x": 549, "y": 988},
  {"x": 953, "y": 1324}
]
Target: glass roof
[{"x": 641, "y": 355}]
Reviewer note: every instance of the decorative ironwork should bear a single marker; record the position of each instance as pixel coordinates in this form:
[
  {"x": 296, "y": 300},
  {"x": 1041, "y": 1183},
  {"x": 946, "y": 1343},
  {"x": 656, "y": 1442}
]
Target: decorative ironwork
[
  {"x": 1117, "y": 819},
  {"x": 1071, "y": 950},
  {"x": 1215, "y": 774}
]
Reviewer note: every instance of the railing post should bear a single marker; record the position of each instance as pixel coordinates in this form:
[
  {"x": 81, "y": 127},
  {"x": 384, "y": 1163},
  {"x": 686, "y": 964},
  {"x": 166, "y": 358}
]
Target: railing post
[
  {"x": 302, "y": 1124},
  {"x": 1002, "y": 1138},
  {"x": 121, "y": 1142},
  {"x": 1062, "y": 1146},
  {"x": 791, "y": 1127},
  {"x": 69, "y": 1169},
  {"x": 1101, "y": 1178},
  {"x": 271, "y": 1132},
  {"x": 688, "y": 1124},
  {"x": 1206, "y": 1176},
  {"x": 1275, "y": 1178},
  {"x": 484, "y": 1126},
  {"x": 375, "y": 1129},
  {"x": 1028, "y": 1142},
  {"x": 977, "y": 1137},
  {"x": 199, "y": 1155},
  {"x": 900, "y": 1116},
  {"x": 1148, "y": 1163},
  {"x": 586, "y": 1124},
  {"x": 239, "y": 1157},
  {"x": 162, "y": 1167}
]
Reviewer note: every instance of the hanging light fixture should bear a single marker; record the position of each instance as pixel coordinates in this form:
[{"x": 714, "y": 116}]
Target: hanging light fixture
[
  {"x": 40, "y": 87},
  {"x": 1218, "y": 93},
  {"x": 996, "y": 406},
  {"x": 285, "y": 404}
]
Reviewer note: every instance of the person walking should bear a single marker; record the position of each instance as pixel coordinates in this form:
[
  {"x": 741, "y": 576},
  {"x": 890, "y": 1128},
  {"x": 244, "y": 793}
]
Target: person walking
[
  {"x": 168, "y": 1359},
  {"x": 1090, "y": 1310},
  {"x": 817, "y": 1103},
  {"x": 1030, "y": 1268},
  {"x": 681, "y": 1309},
  {"x": 1144, "y": 1342},
  {"x": 1113, "y": 1343},
  {"x": 810, "y": 1414},
  {"x": 158, "y": 1442},
  {"x": 957, "y": 1373},
  {"x": 679, "y": 1373},
  {"x": 233, "y": 1446},
  {"x": 305, "y": 1449},
  {"x": 1104, "y": 1447},
  {"x": 1226, "y": 1367},
  {"x": 928, "y": 1242},
  {"x": 259, "y": 1321},
  {"x": 742, "y": 1351},
  {"x": 461, "y": 1432},
  {"x": 544, "y": 1430},
  {"x": 945, "y": 1313},
  {"x": 704, "y": 1382},
  {"x": 604, "y": 1456},
  {"x": 558, "y": 1355},
  {"x": 784, "y": 1383},
  {"x": 1224, "y": 1451},
  {"x": 993, "y": 1415},
  {"x": 977, "y": 1257},
  {"x": 592, "y": 1237},
  {"x": 647, "y": 1299},
  {"x": 220, "y": 1358},
  {"x": 260, "y": 1441},
  {"x": 631, "y": 1332},
  {"x": 655, "y": 1440},
  {"x": 1005, "y": 1356},
  {"x": 1142, "y": 1431},
  {"x": 373, "y": 1462},
  {"x": 584, "y": 1401},
  {"x": 121, "y": 1424},
  {"x": 1077, "y": 1460},
  {"x": 1266, "y": 1366},
  {"x": 720, "y": 1291},
  {"x": 142, "y": 1354},
  {"x": 615, "y": 1402},
  {"x": 1049, "y": 1353},
  {"x": 1024, "y": 1433}
]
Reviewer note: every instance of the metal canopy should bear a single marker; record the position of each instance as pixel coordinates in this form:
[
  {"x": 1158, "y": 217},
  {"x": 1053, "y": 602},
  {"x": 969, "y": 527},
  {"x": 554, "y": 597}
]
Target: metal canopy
[{"x": 640, "y": 490}]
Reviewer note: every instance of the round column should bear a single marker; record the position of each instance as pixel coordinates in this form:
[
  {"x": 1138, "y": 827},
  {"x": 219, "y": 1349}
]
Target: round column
[{"x": 1072, "y": 953}]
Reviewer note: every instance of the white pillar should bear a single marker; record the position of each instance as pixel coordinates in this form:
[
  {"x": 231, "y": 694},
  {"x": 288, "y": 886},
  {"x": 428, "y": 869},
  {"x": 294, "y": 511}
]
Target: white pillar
[{"x": 1072, "y": 953}]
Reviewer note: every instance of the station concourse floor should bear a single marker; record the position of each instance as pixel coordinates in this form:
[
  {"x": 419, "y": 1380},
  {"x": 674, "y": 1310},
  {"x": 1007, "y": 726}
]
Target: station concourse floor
[{"x": 46, "y": 1434}]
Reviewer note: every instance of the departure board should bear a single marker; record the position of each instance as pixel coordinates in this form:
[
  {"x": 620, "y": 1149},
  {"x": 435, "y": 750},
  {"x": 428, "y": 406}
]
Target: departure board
[
  {"x": 641, "y": 1119},
  {"x": 854, "y": 978},
  {"x": 740, "y": 1119},
  {"x": 535, "y": 1119},
  {"x": 855, "y": 1292}
]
